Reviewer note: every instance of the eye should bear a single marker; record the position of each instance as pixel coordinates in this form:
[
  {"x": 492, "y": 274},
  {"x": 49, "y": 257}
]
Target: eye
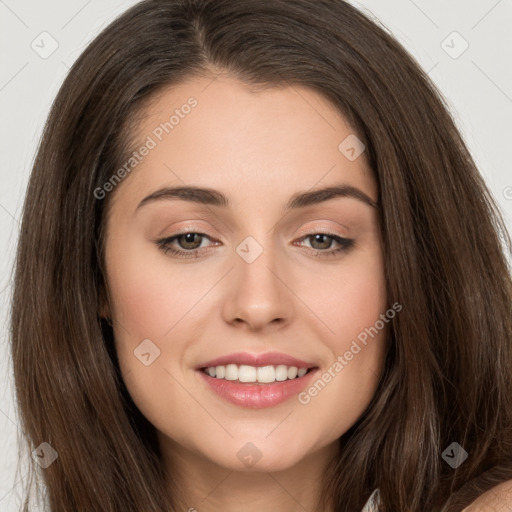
[
  {"x": 323, "y": 243},
  {"x": 189, "y": 244}
]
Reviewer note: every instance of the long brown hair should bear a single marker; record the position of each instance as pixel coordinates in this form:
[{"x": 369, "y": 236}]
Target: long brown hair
[{"x": 448, "y": 371}]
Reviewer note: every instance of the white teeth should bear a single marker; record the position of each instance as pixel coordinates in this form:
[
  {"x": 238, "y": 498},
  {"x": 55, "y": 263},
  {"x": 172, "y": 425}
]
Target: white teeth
[
  {"x": 281, "y": 372},
  {"x": 246, "y": 373},
  {"x": 292, "y": 372},
  {"x": 220, "y": 372},
  {"x": 266, "y": 374},
  {"x": 262, "y": 374},
  {"x": 231, "y": 372}
]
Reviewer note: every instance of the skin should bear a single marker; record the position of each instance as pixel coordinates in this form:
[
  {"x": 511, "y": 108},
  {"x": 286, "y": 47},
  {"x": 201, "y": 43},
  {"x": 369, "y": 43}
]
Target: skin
[
  {"x": 258, "y": 148},
  {"x": 497, "y": 499}
]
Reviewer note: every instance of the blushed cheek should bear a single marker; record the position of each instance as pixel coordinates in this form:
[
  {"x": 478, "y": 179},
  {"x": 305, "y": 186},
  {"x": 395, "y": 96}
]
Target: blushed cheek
[
  {"x": 146, "y": 308},
  {"x": 149, "y": 295},
  {"x": 363, "y": 352},
  {"x": 353, "y": 302}
]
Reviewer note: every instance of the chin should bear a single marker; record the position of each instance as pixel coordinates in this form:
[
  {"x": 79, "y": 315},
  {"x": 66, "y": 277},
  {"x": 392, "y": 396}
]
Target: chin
[{"x": 251, "y": 459}]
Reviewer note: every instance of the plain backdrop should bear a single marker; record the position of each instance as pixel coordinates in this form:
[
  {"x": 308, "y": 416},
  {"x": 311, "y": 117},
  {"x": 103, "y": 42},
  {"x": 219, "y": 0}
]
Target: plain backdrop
[{"x": 464, "y": 45}]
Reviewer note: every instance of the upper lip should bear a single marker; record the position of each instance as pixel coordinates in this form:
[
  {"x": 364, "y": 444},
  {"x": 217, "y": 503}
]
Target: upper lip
[{"x": 266, "y": 359}]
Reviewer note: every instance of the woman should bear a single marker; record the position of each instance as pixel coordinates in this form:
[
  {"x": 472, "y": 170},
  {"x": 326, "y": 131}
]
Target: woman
[{"x": 260, "y": 368}]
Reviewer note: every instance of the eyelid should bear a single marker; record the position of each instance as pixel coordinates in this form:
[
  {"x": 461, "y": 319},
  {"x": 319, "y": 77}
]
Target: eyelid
[
  {"x": 189, "y": 226},
  {"x": 313, "y": 229}
]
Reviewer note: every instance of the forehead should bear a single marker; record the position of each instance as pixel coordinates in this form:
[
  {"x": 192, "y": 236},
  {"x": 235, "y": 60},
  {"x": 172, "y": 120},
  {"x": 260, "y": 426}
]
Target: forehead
[{"x": 221, "y": 134}]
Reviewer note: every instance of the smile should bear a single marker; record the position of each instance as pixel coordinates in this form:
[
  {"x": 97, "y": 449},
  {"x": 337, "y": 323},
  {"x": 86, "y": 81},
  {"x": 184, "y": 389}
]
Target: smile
[
  {"x": 254, "y": 394},
  {"x": 252, "y": 374}
]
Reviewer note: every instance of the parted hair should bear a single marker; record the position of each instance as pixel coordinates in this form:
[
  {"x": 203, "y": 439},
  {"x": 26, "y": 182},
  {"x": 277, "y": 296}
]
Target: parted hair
[{"x": 448, "y": 369}]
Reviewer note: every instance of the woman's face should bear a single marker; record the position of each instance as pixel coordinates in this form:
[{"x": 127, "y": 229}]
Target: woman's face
[{"x": 259, "y": 278}]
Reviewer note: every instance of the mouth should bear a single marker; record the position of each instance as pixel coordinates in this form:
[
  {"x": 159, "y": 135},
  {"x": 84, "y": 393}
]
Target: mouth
[
  {"x": 241, "y": 385},
  {"x": 256, "y": 375}
]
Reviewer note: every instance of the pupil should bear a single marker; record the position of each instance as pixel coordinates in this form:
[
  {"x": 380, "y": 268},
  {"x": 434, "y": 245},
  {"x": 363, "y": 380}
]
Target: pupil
[
  {"x": 318, "y": 237},
  {"x": 189, "y": 238}
]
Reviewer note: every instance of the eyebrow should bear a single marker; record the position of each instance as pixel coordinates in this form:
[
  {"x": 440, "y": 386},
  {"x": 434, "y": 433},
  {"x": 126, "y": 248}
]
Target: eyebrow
[{"x": 213, "y": 197}]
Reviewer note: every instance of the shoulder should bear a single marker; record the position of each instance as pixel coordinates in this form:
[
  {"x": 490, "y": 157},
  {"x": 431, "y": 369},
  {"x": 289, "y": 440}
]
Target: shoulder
[{"x": 497, "y": 499}]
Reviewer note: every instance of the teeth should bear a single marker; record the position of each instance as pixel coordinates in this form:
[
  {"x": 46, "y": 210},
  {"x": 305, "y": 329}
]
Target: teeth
[
  {"x": 231, "y": 372},
  {"x": 262, "y": 374}
]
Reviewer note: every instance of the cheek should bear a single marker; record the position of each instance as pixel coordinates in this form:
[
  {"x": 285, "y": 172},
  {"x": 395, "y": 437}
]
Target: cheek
[
  {"x": 149, "y": 299},
  {"x": 149, "y": 296},
  {"x": 351, "y": 305},
  {"x": 351, "y": 298}
]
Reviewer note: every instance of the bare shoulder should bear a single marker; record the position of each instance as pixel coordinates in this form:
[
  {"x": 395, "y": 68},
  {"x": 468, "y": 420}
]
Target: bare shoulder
[{"x": 497, "y": 499}]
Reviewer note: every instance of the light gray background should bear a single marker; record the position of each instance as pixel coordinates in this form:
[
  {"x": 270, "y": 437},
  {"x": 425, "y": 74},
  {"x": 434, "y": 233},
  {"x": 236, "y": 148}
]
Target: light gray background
[{"x": 477, "y": 84}]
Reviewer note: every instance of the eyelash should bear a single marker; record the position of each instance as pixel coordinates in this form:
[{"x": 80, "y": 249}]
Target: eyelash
[{"x": 164, "y": 244}]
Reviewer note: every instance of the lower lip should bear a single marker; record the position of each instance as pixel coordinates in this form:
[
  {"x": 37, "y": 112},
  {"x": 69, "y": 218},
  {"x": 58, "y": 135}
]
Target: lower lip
[{"x": 257, "y": 396}]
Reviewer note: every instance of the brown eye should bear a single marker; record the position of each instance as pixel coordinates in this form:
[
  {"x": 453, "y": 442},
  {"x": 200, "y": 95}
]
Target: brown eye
[
  {"x": 189, "y": 241},
  {"x": 321, "y": 240},
  {"x": 322, "y": 244},
  {"x": 185, "y": 245}
]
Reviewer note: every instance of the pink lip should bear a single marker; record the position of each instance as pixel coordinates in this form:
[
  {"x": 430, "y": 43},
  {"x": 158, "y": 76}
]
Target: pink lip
[
  {"x": 257, "y": 396},
  {"x": 267, "y": 359}
]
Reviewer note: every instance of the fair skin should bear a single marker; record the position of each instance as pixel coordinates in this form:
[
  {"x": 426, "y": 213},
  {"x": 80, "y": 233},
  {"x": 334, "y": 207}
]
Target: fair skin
[
  {"x": 497, "y": 499},
  {"x": 258, "y": 149}
]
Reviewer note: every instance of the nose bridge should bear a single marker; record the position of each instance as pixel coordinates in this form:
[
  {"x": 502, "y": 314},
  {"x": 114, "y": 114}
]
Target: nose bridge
[
  {"x": 256, "y": 266},
  {"x": 258, "y": 295}
]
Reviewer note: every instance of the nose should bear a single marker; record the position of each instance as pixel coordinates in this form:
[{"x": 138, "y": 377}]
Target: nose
[{"x": 258, "y": 295}]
